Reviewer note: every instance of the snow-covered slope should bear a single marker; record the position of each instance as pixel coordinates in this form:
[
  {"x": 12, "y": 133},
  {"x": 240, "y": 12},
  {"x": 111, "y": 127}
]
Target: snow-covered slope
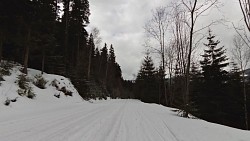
[
  {"x": 111, "y": 120},
  {"x": 9, "y": 88}
]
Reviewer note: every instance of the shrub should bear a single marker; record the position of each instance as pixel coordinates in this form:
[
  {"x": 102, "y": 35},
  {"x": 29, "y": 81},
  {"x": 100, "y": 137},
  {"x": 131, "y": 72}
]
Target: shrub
[
  {"x": 1, "y": 77},
  {"x": 54, "y": 84},
  {"x": 5, "y": 68},
  {"x": 24, "y": 87},
  {"x": 7, "y": 102},
  {"x": 30, "y": 93},
  {"x": 23, "y": 82},
  {"x": 65, "y": 91},
  {"x": 27, "y": 92},
  {"x": 68, "y": 93},
  {"x": 14, "y": 100},
  {"x": 57, "y": 95},
  {"x": 40, "y": 82},
  {"x": 21, "y": 92}
]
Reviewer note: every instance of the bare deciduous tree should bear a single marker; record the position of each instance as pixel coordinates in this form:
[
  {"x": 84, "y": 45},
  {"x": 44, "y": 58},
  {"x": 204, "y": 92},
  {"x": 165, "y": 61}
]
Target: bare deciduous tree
[
  {"x": 156, "y": 29},
  {"x": 241, "y": 54},
  {"x": 194, "y": 9},
  {"x": 177, "y": 50},
  {"x": 242, "y": 34},
  {"x": 96, "y": 39},
  {"x": 96, "y": 36}
]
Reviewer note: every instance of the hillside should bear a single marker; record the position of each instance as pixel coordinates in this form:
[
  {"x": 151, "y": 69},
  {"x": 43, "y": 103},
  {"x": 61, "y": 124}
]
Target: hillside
[{"x": 52, "y": 93}]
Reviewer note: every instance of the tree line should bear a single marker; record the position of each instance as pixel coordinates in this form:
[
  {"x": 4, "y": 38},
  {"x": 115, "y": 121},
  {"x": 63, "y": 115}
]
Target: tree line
[
  {"x": 51, "y": 35},
  {"x": 216, "y": 93},
  {"x": 204, "y": 88}
]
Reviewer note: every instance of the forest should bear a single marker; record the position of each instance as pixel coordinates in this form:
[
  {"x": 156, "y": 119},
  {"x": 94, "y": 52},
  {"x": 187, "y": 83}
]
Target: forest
[
  {"x": 52, "y": 36},
  {"x": 37, "y": 35}
]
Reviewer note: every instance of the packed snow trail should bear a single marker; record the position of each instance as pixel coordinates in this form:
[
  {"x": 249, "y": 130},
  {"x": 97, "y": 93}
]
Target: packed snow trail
[{"x": 111, "y": 120}]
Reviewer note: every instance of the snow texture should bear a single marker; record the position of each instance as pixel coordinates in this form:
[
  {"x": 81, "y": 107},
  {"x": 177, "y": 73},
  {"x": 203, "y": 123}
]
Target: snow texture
[
  {"x": 111, "y": 120},
  {"x": 47, "y": 118}
]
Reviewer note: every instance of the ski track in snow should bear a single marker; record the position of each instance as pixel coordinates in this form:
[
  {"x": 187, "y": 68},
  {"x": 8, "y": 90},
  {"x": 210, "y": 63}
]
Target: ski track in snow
[{"x": 111, "y": 120}]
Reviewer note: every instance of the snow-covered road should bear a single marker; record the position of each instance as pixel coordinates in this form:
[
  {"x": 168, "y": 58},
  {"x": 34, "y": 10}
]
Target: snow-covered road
[{"x": 111, "y": 120}]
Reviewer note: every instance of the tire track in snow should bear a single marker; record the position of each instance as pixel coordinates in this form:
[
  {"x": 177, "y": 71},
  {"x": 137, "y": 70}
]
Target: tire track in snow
[
  {"x": 78, "y": 131},
  {"x": 146, "y": 137},
  {"x": 74, "y": 127},
  {"x": 51, "y": 122},
  {"x": 149, "y": 125},
  {"x": 111, "y": 124},
  {"x": 170, "y": 130},
  {"x": 119, "y": 120},
  {"x": 15, "y": 125},
  {"x": 164, "y": 123}
]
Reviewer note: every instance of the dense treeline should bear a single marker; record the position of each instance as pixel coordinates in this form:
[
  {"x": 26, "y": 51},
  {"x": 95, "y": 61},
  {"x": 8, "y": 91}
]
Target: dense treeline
[
  {"x": 42, "y": 35},
  {"x": 216, "y": 95}
]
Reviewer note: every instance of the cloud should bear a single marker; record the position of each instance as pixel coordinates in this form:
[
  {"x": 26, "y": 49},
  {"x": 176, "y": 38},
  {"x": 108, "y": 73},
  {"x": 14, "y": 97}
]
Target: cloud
[{"x": 121, "y": 24}]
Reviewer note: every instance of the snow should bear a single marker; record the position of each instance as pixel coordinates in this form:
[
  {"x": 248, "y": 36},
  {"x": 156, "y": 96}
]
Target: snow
[
  {"x": 9, "y": 89},
  {"x": 110, "y": 120},
  {"x": 47, "y": 118}
]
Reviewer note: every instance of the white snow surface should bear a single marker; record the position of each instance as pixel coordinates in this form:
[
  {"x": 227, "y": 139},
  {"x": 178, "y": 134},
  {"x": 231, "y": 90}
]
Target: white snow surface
[
  {"x": 110, "y": 120},
  {"x": 47, "y": 118},
  {"x": 9, "y": 87}
]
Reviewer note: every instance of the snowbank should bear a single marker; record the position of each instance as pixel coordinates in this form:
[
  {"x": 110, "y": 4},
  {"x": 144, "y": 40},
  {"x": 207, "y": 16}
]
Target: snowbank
[{"x": 54, "y": 87}]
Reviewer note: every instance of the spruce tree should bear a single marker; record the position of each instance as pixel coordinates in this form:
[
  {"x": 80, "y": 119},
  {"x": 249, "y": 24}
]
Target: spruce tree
[
  {"x": 160, "y": 79},
  {"x": 114, "y": 75},
  {"x": 103, "y": 66},
  {"x": 235, "y": 101},
  {"x": 212, "y": 101},
  {"x": 146, "y": 87},
  {"x": 96, "y": 63},
  {"x": 110, "y": 72},
  {"x": 214, "y": 61},
  {"x": 91, "y": 52}
]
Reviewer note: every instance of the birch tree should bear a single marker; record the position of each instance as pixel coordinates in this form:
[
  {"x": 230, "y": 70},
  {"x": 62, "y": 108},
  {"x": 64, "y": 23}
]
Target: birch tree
[
  {"x": 156, "y": 29},
  {"x": 177, "y": 49}
]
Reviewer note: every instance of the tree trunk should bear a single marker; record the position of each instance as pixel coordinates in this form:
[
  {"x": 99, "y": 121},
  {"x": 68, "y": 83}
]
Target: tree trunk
[
  {"x": 1, "y": 47},
  {"x": 66, "y": 37},
  {"x": 43, "y": 60},
  {"x": 26, "y": 52},
  {"x": 187, "y": 83},
  {"x": 164, "y": 82},
  {"x": 160, "y": 92},
  {"x": 106, "y": 73},
  {"x": 89, "y": 65},
  {"x": 78, "y": 49},
  {"x": 245, "y": 100},
  {"x": 163, "y": 63}
]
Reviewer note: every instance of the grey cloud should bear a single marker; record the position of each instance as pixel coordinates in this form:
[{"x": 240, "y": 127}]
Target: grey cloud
[{"x": 121, "y": 24}]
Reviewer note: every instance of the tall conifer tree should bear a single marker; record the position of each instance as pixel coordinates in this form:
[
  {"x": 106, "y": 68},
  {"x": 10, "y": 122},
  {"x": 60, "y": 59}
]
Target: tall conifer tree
[
  {"x": 146, "y": 87},
  {"x": 214, "y": 61}
]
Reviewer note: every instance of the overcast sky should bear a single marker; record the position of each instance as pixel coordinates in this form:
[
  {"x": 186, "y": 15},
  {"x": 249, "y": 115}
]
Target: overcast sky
[{"x": 121, "y": 23}]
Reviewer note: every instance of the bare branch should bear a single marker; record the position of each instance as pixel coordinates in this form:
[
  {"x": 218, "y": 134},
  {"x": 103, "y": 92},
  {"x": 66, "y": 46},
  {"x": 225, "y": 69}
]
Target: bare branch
[
  {"x": 245, "y": 9},
  {"x": 246, "y": 40}
]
